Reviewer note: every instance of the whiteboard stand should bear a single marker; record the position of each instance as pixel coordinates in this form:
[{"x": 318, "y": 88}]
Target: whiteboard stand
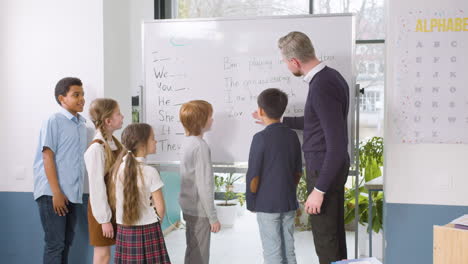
[
  {"x": 357, "y": 96},
  {"x": 187, "y": 44}
]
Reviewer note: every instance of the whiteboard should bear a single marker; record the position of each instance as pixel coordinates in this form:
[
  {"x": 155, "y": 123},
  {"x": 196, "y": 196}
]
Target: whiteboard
[{"x": 228, "y": 62}]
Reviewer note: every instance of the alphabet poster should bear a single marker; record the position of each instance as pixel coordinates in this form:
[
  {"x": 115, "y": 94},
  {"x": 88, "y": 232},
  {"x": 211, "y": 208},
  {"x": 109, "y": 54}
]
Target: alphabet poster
[{"x": 430, "y": 77}]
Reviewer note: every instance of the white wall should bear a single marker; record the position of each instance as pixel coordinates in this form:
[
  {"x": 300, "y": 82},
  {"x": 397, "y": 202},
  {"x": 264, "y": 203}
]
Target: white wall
[
  {"x": 428, "y": 173},
  {"x": 139, "y": 11},
  {"x": 122, "y": 50},
  {"x": 43, "y": 41},
  {"x": 116, "y": 55}
]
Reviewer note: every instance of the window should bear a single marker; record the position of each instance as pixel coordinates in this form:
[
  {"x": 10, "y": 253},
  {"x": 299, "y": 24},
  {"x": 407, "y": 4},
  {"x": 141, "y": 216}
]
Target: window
[
  {"x": 370, "y": 77},
  {"x": 370, "y": 101},
  {"x": 370, "y": 50},
  {"x": 370, "y": 34},
  {"x": 230, "y": 8},
  {"x": 370, "y": 15}
]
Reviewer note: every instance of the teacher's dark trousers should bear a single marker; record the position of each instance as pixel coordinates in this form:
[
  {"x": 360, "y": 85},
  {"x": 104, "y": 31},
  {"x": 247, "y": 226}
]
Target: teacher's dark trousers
[{"x": 328, "y": 226}]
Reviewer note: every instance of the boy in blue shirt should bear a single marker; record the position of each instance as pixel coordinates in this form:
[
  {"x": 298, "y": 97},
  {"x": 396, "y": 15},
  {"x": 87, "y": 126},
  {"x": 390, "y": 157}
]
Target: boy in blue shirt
[
  {"x": 275, "y": 168},
  {"x": 59, "y": 170}
]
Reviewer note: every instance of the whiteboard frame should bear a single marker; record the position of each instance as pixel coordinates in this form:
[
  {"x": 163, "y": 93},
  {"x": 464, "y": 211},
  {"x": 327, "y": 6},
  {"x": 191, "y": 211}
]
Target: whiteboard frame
[{"x": 352, "y": 94}]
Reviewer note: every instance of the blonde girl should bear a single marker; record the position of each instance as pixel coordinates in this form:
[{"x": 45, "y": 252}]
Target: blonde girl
[{"x": 99, "y": 158}]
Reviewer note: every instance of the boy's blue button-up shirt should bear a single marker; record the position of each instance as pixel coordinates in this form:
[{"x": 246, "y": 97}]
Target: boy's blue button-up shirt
[
  {"x": 65, "y": 135},
  {"x": 275, "y": 167}
]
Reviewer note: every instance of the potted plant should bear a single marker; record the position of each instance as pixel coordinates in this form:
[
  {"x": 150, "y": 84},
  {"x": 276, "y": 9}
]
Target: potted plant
[
  {"x": 219, "y": 183},
  {"x": 363, "y": 204},
  {"x": 371, "y": 158},
  {"x": 241, "y": 203},
  {"x": 224, "y": 182},
  {"x": 229, "y": 182},
  {"x": 371, "y": 161},
  {"x": 227, "y": 209},
  {"x": 302, "y": 219}
]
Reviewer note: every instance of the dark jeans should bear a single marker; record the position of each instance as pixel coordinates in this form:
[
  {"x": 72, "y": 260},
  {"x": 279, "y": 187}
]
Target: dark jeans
[
  {"x": 59, "y": 230},
  {"x": 328, "y": 226}
]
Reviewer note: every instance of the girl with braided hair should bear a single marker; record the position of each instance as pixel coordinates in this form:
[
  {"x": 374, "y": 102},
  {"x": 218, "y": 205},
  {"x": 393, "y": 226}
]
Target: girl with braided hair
[
  {"x": 139, "y": 201},
  {"x": 99, "y": 159}
]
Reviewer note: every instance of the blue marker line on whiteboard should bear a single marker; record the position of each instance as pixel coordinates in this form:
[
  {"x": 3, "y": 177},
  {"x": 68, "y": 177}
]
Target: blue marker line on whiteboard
[{"x": 172, "y": 41}]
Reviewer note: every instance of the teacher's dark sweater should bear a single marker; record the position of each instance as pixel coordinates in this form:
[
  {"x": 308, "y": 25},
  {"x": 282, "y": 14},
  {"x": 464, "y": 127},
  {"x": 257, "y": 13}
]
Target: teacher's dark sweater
[{"x": 325, "y": 126}]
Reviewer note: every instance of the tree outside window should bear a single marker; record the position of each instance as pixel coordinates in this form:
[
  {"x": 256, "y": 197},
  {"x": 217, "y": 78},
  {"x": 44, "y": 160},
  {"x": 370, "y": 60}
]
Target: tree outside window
[{"x": 237, "y": 8}]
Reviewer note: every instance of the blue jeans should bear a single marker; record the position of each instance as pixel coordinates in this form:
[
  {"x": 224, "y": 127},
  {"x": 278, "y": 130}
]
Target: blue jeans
[
  {"x": 59, "y": 230},
  {"x": 277, "y": 234}
]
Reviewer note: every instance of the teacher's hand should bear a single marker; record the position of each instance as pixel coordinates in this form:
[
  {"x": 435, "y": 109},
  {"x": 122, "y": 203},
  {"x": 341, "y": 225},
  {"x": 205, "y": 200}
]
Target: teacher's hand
[
  {"x": 314, "y": 202},
  {"x": 257, "y": 118}
]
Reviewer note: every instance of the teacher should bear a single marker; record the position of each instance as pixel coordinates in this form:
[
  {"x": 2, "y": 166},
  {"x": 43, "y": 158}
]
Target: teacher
[{"x": 325, "y": 143}]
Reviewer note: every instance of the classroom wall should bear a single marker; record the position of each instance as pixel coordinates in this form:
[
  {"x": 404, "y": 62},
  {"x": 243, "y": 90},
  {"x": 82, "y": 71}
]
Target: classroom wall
[
  {"x": 22, "y": 238},
  {"x": 116, "y": 34},
  {"x": 425, "y": 179},
  {"x": 97, "y": 41},
  {"x": 43, "y": 41},
  {"x": 138, "y": 13}
]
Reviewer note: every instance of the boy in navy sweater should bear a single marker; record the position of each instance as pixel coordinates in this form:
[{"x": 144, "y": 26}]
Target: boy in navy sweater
[{"x": 275, "y": 167}]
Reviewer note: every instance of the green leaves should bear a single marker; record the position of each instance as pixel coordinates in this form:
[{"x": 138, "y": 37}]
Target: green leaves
[
  {"x": 229, "y": 195},
  {"x": 363, "y": 202},
  {"x": 372, "y": 169},
  {"x": 370, "y": 160},
  {"x": 219, "y": 182},
  {"x": 241, "y": 198},
  {"x": 302, "y": 189},
  {"x": 230, "y": 180}
]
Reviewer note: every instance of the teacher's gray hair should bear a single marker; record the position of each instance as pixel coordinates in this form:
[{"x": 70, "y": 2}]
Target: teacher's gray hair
[{"x": 297, "y": 45}]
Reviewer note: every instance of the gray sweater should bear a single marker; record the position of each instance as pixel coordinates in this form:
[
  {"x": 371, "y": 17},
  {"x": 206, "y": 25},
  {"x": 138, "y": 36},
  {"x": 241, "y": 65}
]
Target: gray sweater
[{"x": 197, "y": 185}]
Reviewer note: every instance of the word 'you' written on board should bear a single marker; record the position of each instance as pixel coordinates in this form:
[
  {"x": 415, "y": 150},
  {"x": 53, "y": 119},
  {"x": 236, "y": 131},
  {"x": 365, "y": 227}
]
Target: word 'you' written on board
[{"x": 233, "y": 96}]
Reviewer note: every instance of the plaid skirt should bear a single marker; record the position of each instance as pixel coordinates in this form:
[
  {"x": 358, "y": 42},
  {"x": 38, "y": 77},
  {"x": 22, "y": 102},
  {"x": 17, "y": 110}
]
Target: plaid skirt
[{"x": 140, "y": 245}]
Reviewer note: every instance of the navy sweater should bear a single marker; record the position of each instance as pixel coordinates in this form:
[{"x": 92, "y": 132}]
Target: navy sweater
[
  {"x": 325, "y": 126},
  {"x": 275, "y": 167}
]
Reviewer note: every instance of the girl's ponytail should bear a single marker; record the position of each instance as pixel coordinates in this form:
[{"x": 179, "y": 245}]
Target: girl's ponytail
[{"x": 134, "y": 137}]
